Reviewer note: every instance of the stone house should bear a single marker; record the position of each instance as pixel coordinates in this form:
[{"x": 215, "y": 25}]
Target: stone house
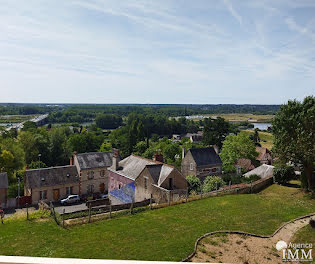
[
  {"x": 3, "y": 189},
  {"x": 135, "y": 179},
  {"x": 51, "y": 184},
  {"x": 201, "y": 162},
  {"x": 87, "y": 174},
  {"x": 92, "y": 170},
  {"x": 264, "y": 156}
]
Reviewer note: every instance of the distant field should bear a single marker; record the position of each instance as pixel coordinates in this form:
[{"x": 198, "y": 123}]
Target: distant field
[
  {"x": 15, "y": 118},
  {"x": 243, "y": 117},
  {"x": 163, "y": 234},
  {"x": 264, "y": 136}
]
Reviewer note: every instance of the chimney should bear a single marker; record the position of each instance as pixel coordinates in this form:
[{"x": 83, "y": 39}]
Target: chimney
[
  {"x": 183, "y": 153},
  {"x": 116, "y": 159},
  {"x": 72, "y": 158},
  {"x": 158, "y": 156}
]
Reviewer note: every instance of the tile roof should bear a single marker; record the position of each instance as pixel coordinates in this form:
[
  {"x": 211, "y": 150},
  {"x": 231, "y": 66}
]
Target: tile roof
[
  {"x": 3, "y": 180},
  {"x": 51, "y": 176},
  {"x": 205, "y": 156},
  {"x": 94, "y": 160}
]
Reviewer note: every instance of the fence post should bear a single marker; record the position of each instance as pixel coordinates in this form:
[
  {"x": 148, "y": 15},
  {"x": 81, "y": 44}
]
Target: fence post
[
  {"x": 151, "y": 201},
  {"x": 51, "y": 210},
  {"x": 201, "y": 192},
  {"x": 216, "y": 188},
  {"x": 89, "y": 212},
  {"x": 63, "y": 218},
  {"x": 27, "y": 212},
  {"x": 230, "y": 186},
  {"x": 110, "y": 210},
  {"x": 131, "y": 207},
  {"x": 169, "y": 198},
  {"x": 251, "y": 186},
  {"x": 186, "y": 195}
]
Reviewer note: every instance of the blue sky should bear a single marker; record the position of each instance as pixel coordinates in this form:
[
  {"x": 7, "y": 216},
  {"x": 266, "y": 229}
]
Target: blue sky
[{"x": 200, "y": 51}]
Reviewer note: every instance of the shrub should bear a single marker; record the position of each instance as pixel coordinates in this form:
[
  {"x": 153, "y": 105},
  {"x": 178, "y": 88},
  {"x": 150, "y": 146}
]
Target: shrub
[
  {"x": 283, "y": 174},
  {"x": 211, "y": 183},
  {"x": 194, "y": 184}
]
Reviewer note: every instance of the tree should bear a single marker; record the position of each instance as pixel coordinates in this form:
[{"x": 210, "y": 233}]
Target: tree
[
  {"x": 236, "y": 147},
  {"x": 294, "y": 135},
  {"x": 29, "y": 125},
  {"x": 214, "y": 131},
  {"x": 108, "y": 121},
  {"x": 283, "y": 174}
]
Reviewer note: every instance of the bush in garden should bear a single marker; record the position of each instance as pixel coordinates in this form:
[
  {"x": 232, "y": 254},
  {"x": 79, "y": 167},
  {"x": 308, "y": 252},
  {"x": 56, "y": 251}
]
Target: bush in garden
[
  {"x": 211, "y": 183},
  {"x": 283, "y": 174},
  {"x": 194, "y": 184}
]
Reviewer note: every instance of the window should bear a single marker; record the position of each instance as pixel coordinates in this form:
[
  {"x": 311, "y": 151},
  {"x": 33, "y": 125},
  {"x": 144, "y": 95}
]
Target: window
[
  {"x": 90, "y": 189},
  {"x": 145, "y": 183},
  {"x": 69, "y": 190},
  {"x": 91, "y": 175},
  {"x": 191, "y": 166},
  {"x": 43, "y": 195},
  {"x": 119, "y": 186},
  {"x": 102, "y": 173}
]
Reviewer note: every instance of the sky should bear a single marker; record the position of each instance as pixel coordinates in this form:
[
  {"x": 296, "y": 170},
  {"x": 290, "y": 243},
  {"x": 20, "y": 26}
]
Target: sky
[{"x": 147, "y": 52}]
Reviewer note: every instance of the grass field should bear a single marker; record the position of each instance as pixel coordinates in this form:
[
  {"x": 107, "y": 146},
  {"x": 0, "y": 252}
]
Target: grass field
[
  {"x": 306, "y": 235},
  {"x": 244, "y": 117},
  {"x": 266, "y": 138},
  {"x": 15, "y": 118},
  {"x": 164, "y": 234}
]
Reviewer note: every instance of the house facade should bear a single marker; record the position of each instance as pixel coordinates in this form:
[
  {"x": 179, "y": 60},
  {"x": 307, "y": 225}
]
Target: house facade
[
  {"x": 201, "y": 162},
  {"x": 92, "y": 169},
  {"x": 87, "y": 174},
  {"x": 51, "y": 184},
  {"x": 3, "y": 189},
  {"x": 136, "y": 179}
]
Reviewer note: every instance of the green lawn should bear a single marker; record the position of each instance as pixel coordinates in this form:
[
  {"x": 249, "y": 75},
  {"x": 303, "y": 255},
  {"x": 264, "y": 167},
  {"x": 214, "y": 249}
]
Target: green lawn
[
  {"x": 163, "y": 234},
  {"x": 306, "y": 235},
  {"x": 266, "y": 138}
]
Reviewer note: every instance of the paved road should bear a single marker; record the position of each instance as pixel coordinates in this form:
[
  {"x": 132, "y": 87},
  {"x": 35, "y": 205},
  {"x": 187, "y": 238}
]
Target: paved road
[{"x": 71, "y": 208}]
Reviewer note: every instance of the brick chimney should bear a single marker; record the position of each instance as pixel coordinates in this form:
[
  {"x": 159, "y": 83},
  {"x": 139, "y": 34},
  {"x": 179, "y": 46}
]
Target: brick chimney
[
  {"x": 72, "y": 158},
  {"x": 158, "y": 156},
  {"x": 116, "y": 159}
]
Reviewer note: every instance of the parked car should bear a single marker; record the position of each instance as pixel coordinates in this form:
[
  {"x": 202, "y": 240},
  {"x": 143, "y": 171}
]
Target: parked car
[{"x": 71, "y": 199}]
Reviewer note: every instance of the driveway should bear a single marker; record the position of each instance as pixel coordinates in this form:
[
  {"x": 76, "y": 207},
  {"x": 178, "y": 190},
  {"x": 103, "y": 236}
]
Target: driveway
[{"x": 71, "y": 208}]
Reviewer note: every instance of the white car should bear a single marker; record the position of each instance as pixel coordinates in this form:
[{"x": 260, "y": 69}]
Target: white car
[{"x": 71, "y": 199}]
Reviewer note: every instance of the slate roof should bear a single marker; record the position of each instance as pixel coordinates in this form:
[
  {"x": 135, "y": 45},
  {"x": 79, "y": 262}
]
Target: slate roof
[
  {"x": 3, "y": 180},
  {"x": 132, "y": 166},
  {"x": 51, "y": 176},
  {"x": 205, "y": 156},
  {"x": 93, "y": 160}
]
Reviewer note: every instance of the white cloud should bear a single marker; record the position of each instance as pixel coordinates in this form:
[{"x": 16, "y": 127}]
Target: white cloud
[{"x": 233, "y": 12}]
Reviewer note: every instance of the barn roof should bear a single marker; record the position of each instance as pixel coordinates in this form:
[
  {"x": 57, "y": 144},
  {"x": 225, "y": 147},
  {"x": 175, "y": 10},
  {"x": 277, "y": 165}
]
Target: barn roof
[
  {"x": 51, "y": 176},
  {"x": 94, "y": 160},
  {"x": 3, "y": 180},
  {"x": 205, "y": 156}
]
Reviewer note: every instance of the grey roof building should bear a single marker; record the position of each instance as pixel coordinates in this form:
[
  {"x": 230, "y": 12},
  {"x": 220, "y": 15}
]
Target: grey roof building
[
  {"x": 46, "y": 177},
  {"x": 4, "y": 180},
  {"x": 93, "y": 160},
  {"x": 201, "y": 162}
]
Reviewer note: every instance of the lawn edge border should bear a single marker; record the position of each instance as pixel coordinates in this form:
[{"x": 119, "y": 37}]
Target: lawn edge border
[{"x": 242, "y": 233}]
